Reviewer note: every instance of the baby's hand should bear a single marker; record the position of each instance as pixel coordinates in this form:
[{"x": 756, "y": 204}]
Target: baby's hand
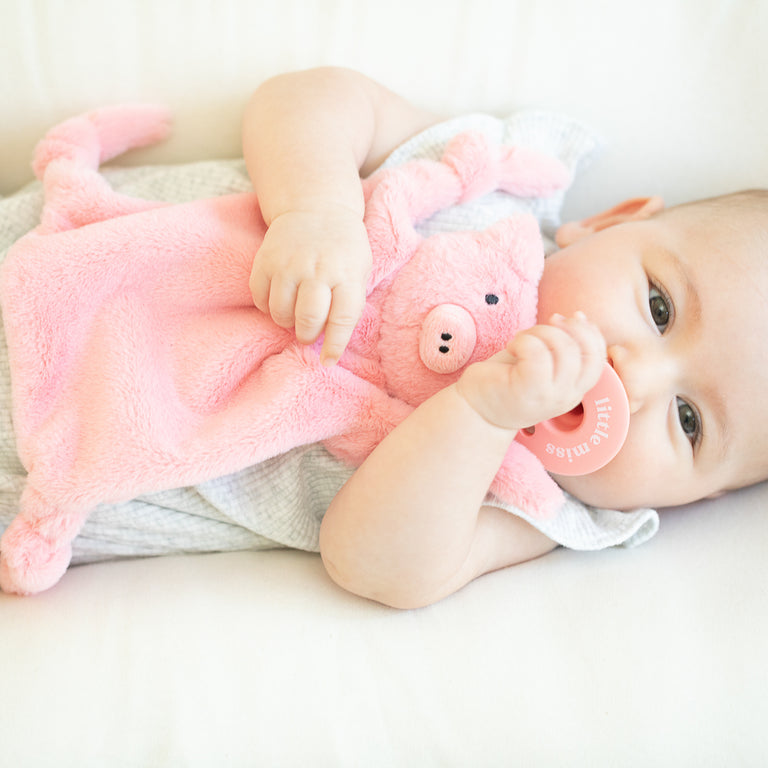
[
  {"x": 310, "y": 274},
  {"x": 543, "y": 372}
]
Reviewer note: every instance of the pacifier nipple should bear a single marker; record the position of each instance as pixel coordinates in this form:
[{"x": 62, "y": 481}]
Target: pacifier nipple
[{"x": 587, "y": 437}]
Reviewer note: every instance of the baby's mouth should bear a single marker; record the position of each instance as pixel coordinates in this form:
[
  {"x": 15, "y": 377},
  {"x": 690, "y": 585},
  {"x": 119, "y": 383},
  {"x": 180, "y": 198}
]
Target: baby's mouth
[{"x": 570, "y": 420}]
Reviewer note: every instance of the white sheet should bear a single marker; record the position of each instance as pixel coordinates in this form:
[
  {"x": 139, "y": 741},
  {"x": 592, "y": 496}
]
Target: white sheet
[{"x": 653, "y": 657}]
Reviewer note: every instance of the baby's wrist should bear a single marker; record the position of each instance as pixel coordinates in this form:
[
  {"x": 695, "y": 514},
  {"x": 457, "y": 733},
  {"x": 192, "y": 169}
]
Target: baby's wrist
[
  {"x": 477, "y": 403},
  {"x": 322, "y": 209}
]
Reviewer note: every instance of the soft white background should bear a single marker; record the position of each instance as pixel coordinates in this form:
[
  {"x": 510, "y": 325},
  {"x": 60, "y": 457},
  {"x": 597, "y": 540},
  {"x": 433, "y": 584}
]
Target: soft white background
[
  {"x": 653, "y": 657},
  {"x": 675, "y": 88}
]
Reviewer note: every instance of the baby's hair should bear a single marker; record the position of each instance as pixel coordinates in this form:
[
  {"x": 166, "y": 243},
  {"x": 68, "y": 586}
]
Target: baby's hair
[
  {"x": 744, "y": 212},
  {"x": 745, "y": 200}
]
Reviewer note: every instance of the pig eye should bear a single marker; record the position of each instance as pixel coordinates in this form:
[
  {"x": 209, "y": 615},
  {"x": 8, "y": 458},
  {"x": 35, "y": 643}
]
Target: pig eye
[{"x": 491, "y": 298}]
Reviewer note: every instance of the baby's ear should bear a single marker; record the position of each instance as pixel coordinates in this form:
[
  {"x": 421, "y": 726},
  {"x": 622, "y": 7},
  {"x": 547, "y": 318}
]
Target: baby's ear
[{"x": 630, "y": 210}]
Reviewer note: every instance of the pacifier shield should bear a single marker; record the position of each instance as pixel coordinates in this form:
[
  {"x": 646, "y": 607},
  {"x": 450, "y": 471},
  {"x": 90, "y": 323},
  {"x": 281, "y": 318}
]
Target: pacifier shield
[{"x": 586, "y": 438}]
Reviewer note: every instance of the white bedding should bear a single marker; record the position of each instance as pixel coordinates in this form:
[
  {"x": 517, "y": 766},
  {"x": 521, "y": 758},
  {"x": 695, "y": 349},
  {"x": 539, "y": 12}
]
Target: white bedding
[{"x": 656, "y": 656}]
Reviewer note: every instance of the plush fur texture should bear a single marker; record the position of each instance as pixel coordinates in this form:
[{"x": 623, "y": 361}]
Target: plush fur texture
[{"x": 139, "y": 362}]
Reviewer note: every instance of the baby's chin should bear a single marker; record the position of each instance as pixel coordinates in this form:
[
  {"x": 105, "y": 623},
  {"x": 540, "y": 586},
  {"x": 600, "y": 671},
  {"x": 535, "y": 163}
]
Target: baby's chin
[
  {"x": 601, "y": 490},
  {"x": 592, "y": 491}
]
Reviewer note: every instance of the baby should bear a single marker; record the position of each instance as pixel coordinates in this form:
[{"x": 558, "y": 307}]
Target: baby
[
  {"x": 664, "y": 295},
  {"x": 660, "y": 294}
]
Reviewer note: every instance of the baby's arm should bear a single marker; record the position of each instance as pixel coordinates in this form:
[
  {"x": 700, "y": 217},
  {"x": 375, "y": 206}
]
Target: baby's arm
[
  {"x": 307, "y": 137},
  {"x": 410, "y": 526}
]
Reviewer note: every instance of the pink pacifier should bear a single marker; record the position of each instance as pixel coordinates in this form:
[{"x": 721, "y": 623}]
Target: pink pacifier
[{"x": 586, "y": 438}]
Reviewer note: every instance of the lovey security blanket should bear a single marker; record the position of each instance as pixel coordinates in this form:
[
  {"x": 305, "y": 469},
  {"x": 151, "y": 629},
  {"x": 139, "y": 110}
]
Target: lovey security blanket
[{"x": 139, "y": 362}]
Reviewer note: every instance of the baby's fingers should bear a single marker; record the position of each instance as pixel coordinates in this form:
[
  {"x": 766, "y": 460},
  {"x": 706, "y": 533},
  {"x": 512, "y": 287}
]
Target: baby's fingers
[
  {"x": 259, "y": 284},
  {"x": 310, "y": 312},
  {"x": 347, "y": 304},
  {"x": 588, "y": 341},
  {"x": 283, "y": 297},
  {"x": 319, "y": 308},
  {"x": 273, "y": 293},
  {"x": 560, "y": 360}
]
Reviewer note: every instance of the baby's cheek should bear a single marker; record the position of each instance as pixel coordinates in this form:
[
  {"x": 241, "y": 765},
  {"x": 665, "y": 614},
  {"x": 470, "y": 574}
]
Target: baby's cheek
[
  {"x": 556, "y": 290},
  {"x": 617, "y": 485}
]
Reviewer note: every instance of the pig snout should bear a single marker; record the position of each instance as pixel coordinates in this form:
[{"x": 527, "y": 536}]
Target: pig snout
[{"x": 448, "y": 338}]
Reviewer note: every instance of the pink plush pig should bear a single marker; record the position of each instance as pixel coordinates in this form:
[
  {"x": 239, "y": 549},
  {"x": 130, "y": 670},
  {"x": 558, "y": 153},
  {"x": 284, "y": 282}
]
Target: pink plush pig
[{"x": 139, "y": 362}]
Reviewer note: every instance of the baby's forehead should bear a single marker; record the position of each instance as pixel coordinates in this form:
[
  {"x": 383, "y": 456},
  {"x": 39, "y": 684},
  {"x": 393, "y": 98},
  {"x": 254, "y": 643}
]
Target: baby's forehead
[
  {"x": 740, "y": 373},
  {"x": 732, "y": 250},
  {"x": 727, "y": 225}
]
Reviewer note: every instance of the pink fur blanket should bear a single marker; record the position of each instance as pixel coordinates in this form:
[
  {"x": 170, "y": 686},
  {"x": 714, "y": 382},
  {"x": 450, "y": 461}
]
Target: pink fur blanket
[{"x": 139, "y": 361}]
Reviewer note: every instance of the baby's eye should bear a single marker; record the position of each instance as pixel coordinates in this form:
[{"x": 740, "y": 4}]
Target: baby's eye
[
  {"x": 660, "y": 306},
  {"x": 689, "y": 421}
]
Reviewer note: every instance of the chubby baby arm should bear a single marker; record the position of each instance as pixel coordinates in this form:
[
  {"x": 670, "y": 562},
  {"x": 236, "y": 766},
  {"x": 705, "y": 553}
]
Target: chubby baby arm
[
  {"x": 410, "y": 527},
  {"x": 307, "y": 137}
]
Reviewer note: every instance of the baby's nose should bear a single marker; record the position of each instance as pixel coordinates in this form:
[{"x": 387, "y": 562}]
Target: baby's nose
[{"x": 643, "y": 376}]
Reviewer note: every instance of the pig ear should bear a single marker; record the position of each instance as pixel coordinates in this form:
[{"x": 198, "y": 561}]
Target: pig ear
[
  {"x": 529, "y": 173},
  {"x": 519, "y": 239}
]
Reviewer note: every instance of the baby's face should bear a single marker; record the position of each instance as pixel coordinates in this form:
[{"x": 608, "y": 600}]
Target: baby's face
[{"x": 682, "y": 307}]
